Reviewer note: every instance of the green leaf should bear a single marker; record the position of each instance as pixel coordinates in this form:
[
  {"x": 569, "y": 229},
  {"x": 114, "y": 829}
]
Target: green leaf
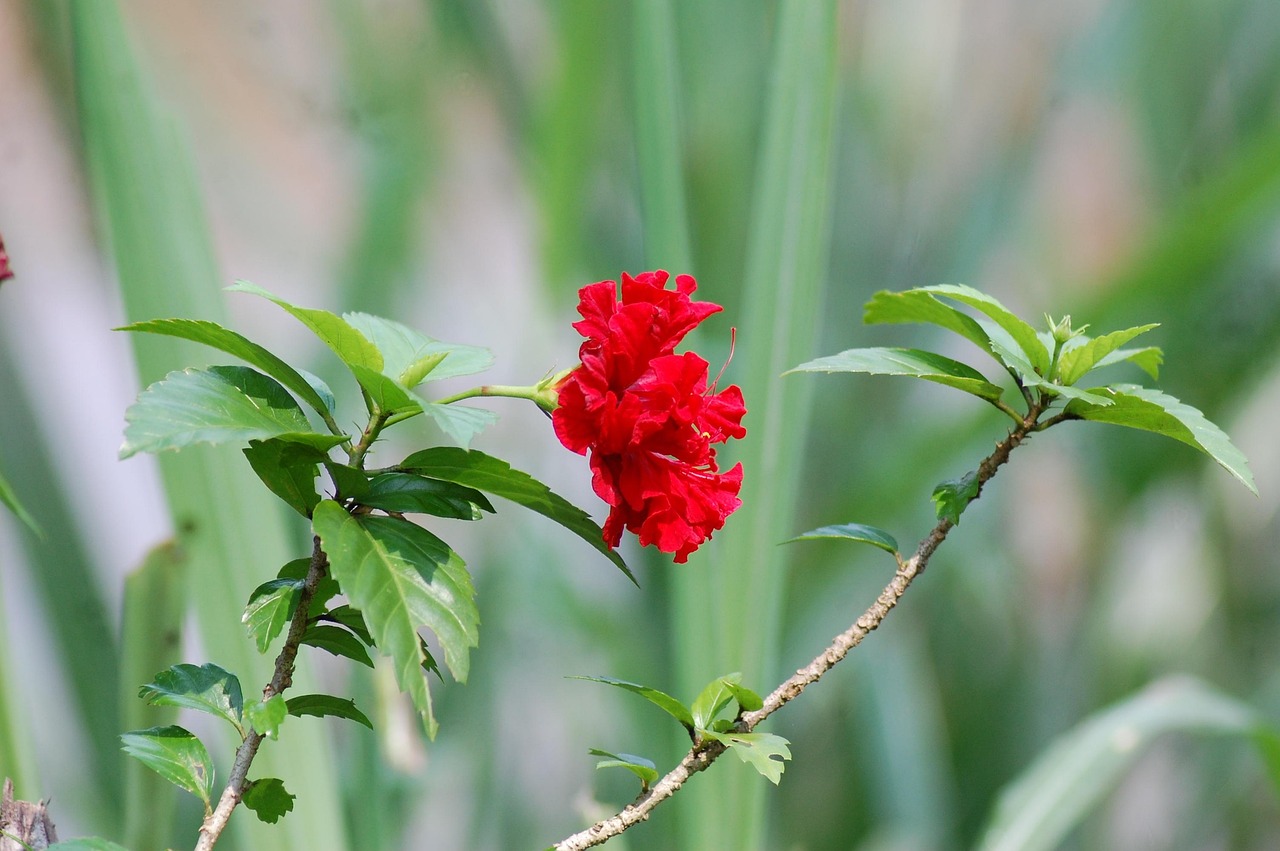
[
  {"x": 1079, "y": 769},
  {"x": 852, "y": 532},
  {"x": 407, "y": 352},
  {"x": 1027, "y": 373},
  {"x": 887, "y": 307},
  {"x": 224, "y": 339},
  {"x": 266, "y": 716},
  {"x": 351, "y": 619},
  {"x": 764, "y": 752},
  {"x": 10, "y": 499},
  {"x": 1017, "y": 328},
  {"x": 483, "y": 472},
  {"x": 326, "y": 589},
  {"x": 748, "y": 700},
  {"x": 88, "y": 843},
  {"x": 176, "y": 755},
  {"x": 401, "y": 577},
  {"x": 460, "y": 422},
  {"x": 660, "y": 699},
  {"x": 270, "y": 606},
  {"x": 205, "y": 688},
  {"x": 288, "y": 469},
  {"x": 350, "y": 482},
  {"x": 406, "y": 493},
  {"x": 637, "y": 765},
  {"x": 911, "y": 362},
  {"x": 337, "y": 641},
  {"x": 352, "y": 347},
  {"x": 1150, "y": 410},
  {"x": 321, "y": 705},
  {"x": 268, "y": 799},
  {"x": 1147, "y": 359},
  {"x": 953, "y": 496},
  {"x": 713, "y": 698},
  {"x": 1074, "y": 363},
  {"x": 389, "y": 397},
  {"x": 222, "y": 404}
]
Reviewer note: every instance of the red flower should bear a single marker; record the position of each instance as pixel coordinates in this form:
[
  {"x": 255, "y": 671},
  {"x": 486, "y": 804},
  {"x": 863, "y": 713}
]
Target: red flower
[
  {"x": 646, "y": 415},
  {"x": 5, "y": 271}
]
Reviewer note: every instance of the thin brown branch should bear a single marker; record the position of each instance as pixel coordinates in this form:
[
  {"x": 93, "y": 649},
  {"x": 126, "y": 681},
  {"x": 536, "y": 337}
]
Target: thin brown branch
[
  {"x": 281, "y": 679},
  {"x": 701, "y": 757}
]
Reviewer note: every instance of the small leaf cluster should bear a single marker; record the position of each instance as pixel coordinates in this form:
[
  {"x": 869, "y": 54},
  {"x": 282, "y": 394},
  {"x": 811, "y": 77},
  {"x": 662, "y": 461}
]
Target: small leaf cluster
[{"x": 765, "y": 752}]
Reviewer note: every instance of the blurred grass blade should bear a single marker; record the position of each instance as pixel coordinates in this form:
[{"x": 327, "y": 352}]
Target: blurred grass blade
[
  {"x": 154, "y": 605},
  {"x": 1040, "y": 808},
  {"x": 786, "y": 264},
  {"x": 232, "y": 531},
  {"x": 17, "y": 759}
]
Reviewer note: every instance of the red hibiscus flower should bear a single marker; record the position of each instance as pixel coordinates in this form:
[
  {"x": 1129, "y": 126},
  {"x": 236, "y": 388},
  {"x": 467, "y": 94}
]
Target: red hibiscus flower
[
  {"x": 646, "y": 415},
  {"x": 5, "y": 271}
]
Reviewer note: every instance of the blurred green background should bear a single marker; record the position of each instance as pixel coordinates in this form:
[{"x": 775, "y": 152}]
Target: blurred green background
[{"x": 464, "y": 168}]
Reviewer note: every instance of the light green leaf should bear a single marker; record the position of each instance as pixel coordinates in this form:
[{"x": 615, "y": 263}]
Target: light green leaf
[
  {"x": 224, "y": 339},
  {"x": 911, "y": 362},
  {"x": 222, "y": 404},
  {"x": 176, "y": 755},
  {"x": 322, "y": 389},
  {"x": 384, "y": 392},
  {"x": 268, "y": 799},
  {"x": 852, "y": 532},
  {"x": 637, "y": 765},
  {"x": 483, "y": 472},
  {"x": 288, "y": 469},
  {"x": 460, "y": 422},
  {"x": 887, "y": 307},
  {"x": 88, "y": 843},
  {"x": 1075, "y": 362},
  {"x": 401, "y": 578},
  {"x": 337, "y": 641},
  {"x": 1079, "y": 769},
  {"x": 1150, "y": 410},
  {"x": 1147, "y": 359},
  {"x": 205, "y": 688},
  {"x": 406, "y": 492},
  {"x": 748, "y": 700},
  {"x": 270, "y": 606},
  {"x": 409, "y": 355},
  {"x": 10, "y": 499},
  {"x": 1030, "y": 379},
  {"x": 321, "y": 705},
  {"x": 266, "y": 716},
  {"x": 660, "y": 699},
  {"x": 352, "y": 347},
  {"x": 953, "y": 496},
  {"x": 713, "y": 698},
  {"x": 1017, "y": 328},
  {"x": 764, "y": 752}
]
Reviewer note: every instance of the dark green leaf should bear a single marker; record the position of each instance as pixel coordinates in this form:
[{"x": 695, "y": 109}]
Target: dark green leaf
[
  {"x": 270, "y": 606},
  {"x": 764, "y": 752},
  {"x": 337, "y": 641},
  {"x": 268, "y": 799},
  {"x": 953, "y": 496},
  {"x": 483, "y": 472},
  {"x": 1150, "y": 410},
  {"x": 221, "y": 404},
  {"x": 288, "y": 470},
  {"x": 911, "y": 362},
  {"x": 10, "y": 499},
  {"x": 213, "y": 334},
  {"x": 205, "y": 688},
  {"x": 637, "y": 765},
  {"x": 406, "y": 492},
  {"x": 409, "y": 355},
  {"x": 352, "y": 347},
  {"x": 326, "y": 589},
  {"x": 321, "y": 705},
  {"x": 1074, "y": 363},
  {"x": 852, "y": 532},
  {"x": 711, "y": 700},
  {"x": 266, "y": 716},
  {"x": 660, "y": 699},
  {"x": 351, "y": 619},
  {"x": 1147, "y": 359},
  {"x": 401, "y": 577},
  {"x": 176, "y": 755},
  {"x": 350, "y": 482},
  {"x": 919, "y": 306},
  {"x": 460, "y": 422},
  {"x": 1017, "y": 328},
  {"x": 88, "y": 843}
]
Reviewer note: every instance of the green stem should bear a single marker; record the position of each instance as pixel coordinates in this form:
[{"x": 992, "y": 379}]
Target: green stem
[{"x": 509, "y": 390}]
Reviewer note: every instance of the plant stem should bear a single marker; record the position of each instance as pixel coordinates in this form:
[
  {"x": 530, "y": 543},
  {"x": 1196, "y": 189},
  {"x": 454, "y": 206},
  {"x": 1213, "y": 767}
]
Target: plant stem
[
  {"x": 509, "y": 390},
  {"x": 702, "y": 756},
  {"x": 216, "y": 821}
]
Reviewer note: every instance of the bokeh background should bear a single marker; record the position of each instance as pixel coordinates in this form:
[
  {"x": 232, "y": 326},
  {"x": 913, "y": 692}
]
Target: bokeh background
[{"x": 464, "y": 167}]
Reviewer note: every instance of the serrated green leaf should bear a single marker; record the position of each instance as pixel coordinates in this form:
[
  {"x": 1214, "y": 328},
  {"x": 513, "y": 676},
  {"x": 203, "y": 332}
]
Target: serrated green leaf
[
  {"x": 660, "y": 699},
  {"x": 268, "y": 799},
  {"x": 326, "y": 589},
  {"x": 320, "y": 705},
  {"x": 408, "y": 493},
  {"x": 351, "y": 619},
  {"x": 10, "y": 499},
  {"x": 460, "y": 422},
  {"x": 953, "y": 496},
  {"x": 270, "y": 606},
  {"x": 288, "y": 469},
  {"x": 637, "y": 765},
  {"x": 222, "y": 404},
  {"x": 1075, "y": 362},
  {"x": 764, "y": 752},
  {"x": 87, "y": 843},
  {"x": 401, "y": 578},
  {"x": 1148, "y": 359},
  {"x": 1016, "y": 327},
  {"x": 205, "y": 688},
  {"x": 1150, "y": 410},
  {"x": 352, "y": 347},
  {"x": 911, "y": 362},
  {"x": 491, "y": 475},
  {"x": 852, "y": 532},
  {"x": 407, "y": 352},
  {"x": 226, "y": 340},
  {"x": 266, "y": 716},
  {"x": 176, "y": 755},
  {"x": 714, "y": 697},
  {"x": 337, "y": 641},
  {"x": 1080, "y": 768},
  {"x": 912, "y": 306}
]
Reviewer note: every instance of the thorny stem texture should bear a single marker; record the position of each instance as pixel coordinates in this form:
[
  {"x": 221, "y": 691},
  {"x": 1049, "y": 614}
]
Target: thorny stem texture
[
  {"x": 217, "y": 820},
  {"x": 701, "y": 756}
]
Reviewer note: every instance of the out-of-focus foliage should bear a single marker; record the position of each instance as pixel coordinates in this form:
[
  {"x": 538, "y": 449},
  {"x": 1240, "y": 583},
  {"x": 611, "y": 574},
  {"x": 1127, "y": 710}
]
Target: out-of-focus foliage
[{"x": 464, "y": 167}]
